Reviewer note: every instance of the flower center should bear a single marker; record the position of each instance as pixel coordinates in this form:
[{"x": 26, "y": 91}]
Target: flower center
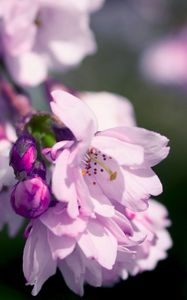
[{"x": 95, "y": 159}]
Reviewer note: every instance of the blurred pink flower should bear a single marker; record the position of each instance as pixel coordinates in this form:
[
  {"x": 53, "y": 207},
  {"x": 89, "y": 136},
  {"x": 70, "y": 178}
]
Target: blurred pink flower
[
  {"x": 165, "y": 61},
  {"x": 111, "y": 166},
  {"x": 7, "y": 179},
  {"x": 8, "y": 216},
  {"x": 111, "y": 110},
  {"x": 154, "y": 11},
  {"x": 38, "y": 36},
  {"x": 7, "y": 137}
]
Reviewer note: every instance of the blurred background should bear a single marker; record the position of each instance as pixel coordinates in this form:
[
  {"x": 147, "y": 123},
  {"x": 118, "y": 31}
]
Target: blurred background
[{"x": 124, "y": 30}]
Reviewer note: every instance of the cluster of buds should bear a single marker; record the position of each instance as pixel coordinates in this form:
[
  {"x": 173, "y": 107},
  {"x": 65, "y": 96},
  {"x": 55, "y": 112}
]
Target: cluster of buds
[{"x": 31, "y": 195}]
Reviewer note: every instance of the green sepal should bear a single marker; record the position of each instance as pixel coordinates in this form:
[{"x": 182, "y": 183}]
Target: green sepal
[{"x": 40, "y": 127}]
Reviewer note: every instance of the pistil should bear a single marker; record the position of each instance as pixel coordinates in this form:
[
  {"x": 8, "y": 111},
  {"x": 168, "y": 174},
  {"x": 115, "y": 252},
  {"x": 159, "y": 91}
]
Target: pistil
[{"x": 111, "y": 173}]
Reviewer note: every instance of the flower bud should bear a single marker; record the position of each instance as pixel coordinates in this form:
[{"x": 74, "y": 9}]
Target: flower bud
[
  {"x": 30, "y": 198},
  {"x": 23, "y": 154}
]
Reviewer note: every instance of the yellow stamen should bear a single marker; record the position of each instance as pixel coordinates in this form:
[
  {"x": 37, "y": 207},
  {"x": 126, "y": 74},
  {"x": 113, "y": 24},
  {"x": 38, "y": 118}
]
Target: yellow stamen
[{"x": 112, "y": 174}]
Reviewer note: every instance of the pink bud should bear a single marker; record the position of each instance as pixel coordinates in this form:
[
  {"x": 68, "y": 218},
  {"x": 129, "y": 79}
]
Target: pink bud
[
  {"x": 23, "y": 154},
  {"x": 30, "y": 198}
]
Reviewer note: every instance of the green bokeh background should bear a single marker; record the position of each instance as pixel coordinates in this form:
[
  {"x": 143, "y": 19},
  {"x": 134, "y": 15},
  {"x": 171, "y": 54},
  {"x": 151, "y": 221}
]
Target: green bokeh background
[{"x": 114, "y": 69}]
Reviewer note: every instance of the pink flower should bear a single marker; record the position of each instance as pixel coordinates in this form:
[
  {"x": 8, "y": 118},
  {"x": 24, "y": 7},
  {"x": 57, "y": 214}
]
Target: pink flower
[
  {"x": 110, "y": 109},
  {"x": 165, "y": 61},
  {"x": 103, "y": 168},
  {"x": 76, "y": 246},
  {"x": 45, "y": 35},
  {"x": 96, "y": 250}
]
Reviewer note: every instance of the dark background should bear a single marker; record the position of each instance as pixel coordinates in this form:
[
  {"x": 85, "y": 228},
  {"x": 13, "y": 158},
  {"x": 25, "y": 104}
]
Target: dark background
[{"x": 122, "y": 33}]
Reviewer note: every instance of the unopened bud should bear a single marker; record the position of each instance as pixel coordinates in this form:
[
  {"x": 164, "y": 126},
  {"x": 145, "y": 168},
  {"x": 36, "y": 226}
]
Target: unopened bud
[
  {"x": 23, "y": 154},
  {"x": 31, "y": 198}
]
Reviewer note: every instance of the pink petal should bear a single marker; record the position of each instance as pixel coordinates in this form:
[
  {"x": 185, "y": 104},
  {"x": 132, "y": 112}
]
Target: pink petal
[
  {"x": 101, "y": 203},
  {"x": 158, "y": 214},
  {"x": 157, "y": 252},
  {"x": 57, "y": 220},
  {"x": 23, "y": 68},
  {"x": 111, "y": 188},
  {"x": 75, "y": 114},
  {"x": 123, "y": 223},
  {"x": 93, "y": 273},
  {"x": 60, "y": 246},
  {"x": 62, "y": 182},
  {"x": 124, "y": 153},
  {"x": 94, "y": 243},
  {"x": 118, "y": 233},
  {"x": 103, "y": 208},
  {"x": 119, "y": 110},
  {"x": 38, "y": 264},
  {"x": 83, "y": 194},
  {"x": 139, "y": 185},
  {"x": 69, "y": 38},
  {"x": 73, "y": 208},
  {"x": 59, "y": 146},
  {"x": 155, "y": 145},
  {"x": 73, "y": 271}
]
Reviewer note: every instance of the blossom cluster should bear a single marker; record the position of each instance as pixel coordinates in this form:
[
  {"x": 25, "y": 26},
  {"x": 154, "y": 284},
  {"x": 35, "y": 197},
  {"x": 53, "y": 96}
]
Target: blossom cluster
[{"x": 81, "y": 173}]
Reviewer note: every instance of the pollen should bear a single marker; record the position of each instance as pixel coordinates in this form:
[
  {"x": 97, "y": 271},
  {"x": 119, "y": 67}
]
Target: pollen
[
  {"x": 113, "y": 176},
  {"x": 84, "y": 172}
]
